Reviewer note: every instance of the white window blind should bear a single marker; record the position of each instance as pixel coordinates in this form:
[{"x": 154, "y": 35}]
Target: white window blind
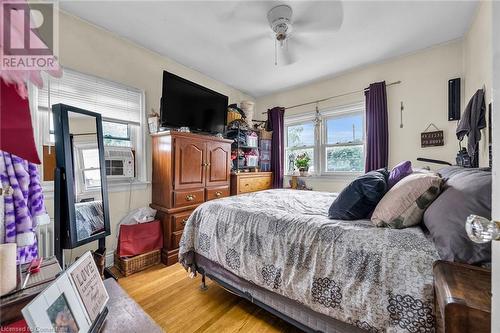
[{"x": 112, "y": 100}]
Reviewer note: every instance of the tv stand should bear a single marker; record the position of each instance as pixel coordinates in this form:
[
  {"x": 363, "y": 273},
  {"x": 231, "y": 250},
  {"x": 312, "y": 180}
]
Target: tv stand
[{"x": 176, "y": 130}]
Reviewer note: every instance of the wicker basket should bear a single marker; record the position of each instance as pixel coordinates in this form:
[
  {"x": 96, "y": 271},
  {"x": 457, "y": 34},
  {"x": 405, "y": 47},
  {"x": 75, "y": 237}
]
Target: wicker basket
[
  {"x": 135, "y": 264},
  {"x": 265, "y": 135},
  {"x": 232, "y": 115}
]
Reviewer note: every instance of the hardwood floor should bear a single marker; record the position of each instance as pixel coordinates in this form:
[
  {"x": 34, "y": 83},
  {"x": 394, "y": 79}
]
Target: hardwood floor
[{"x": 177, "y": 304}]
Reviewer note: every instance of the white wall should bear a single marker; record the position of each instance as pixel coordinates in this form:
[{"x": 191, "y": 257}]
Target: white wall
[
  {"x": 477, "y": 54},
  {"x": 495, "y": 327},
  {"x": 424, "y": 92},
  {"x": 92, "y": 50}
]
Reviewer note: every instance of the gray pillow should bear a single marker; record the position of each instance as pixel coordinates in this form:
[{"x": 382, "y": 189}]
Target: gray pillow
[{"x": 466, "y": 191}]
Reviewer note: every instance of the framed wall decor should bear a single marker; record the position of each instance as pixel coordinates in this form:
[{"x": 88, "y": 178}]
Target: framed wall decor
[{"x": 432, "y": 138}]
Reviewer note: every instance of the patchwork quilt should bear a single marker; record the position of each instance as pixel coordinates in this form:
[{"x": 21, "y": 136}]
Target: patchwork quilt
[{"x": 378, "y": 279}]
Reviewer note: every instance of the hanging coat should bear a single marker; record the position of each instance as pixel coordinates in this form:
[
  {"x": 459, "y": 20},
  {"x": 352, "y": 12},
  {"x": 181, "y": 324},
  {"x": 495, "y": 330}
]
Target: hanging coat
[{"x": 473, "y": 120}]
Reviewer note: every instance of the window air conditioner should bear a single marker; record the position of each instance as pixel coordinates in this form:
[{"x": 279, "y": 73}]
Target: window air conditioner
[{"x": 119, "y": 162}]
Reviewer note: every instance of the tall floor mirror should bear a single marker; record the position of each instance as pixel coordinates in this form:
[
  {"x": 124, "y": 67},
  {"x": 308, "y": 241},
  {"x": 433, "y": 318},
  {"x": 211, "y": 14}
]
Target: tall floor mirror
[{"x": 81, "y": 195}]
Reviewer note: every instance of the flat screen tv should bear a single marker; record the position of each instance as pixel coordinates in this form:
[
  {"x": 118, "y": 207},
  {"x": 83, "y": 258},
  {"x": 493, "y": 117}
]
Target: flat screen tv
[{"x": 185, "y": 103}]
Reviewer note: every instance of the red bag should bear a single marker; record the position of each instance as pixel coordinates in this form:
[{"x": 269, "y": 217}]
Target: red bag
[{"x": 139, "y": 238}]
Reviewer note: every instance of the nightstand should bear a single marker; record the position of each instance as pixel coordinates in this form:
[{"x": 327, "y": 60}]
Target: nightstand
[{"x": 462, "y": 297}]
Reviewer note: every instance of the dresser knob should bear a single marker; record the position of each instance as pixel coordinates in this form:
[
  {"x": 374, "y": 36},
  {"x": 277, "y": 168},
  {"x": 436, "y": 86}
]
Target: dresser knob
[
  {"x": 190, "y": 197},
  {"x": 183, "y": 223},
  {"x": 218, "y": 194}
]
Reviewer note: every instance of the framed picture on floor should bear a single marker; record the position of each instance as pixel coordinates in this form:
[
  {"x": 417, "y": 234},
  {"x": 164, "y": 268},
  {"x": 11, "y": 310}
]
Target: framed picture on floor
[
  {"x": 74, "y": 303},
  {"x": 57, "y": 309}
]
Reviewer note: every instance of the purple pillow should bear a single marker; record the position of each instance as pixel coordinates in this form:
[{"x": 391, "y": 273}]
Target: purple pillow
[{"x": 399, "y": 172}]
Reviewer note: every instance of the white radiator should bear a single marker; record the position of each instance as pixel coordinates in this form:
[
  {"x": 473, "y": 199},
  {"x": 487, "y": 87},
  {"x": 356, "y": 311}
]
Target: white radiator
[{"x": 45, "y": 237}]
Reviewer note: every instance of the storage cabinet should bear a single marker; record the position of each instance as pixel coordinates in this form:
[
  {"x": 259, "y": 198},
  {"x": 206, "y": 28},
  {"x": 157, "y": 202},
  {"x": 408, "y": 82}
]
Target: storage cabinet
[
  {"x": 247, "y": 182},
  {"x": 188, "y": 169}
]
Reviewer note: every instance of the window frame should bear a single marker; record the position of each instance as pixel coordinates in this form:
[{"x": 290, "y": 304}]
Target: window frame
[
  {"x": 320, "y": 143},
  {"x": 340, "y": 112},
  {"x": 294, "y": 121},
  {"x": 82, "y": 188}
]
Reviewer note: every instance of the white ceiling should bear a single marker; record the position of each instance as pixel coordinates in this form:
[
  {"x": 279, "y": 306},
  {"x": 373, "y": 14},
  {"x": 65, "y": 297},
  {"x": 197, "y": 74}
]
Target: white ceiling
[{"x": 205, "y": 35}]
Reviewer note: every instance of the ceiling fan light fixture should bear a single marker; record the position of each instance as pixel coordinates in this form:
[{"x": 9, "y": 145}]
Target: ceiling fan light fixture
[{"x": 280, "y": 19}]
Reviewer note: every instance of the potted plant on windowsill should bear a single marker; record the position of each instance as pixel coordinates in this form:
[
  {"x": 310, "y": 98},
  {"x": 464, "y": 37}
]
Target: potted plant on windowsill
[{"x": 302, "y": 163}]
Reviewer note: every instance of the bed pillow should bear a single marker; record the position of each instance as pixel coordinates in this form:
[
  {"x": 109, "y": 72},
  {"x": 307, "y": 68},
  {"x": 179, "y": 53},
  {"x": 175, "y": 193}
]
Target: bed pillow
[
  {"x": 465, "y": 192},
  {"x": 404, "y": 205},
  {"x": 360, "y": 197},
  {"x": 399, "y": 172}
]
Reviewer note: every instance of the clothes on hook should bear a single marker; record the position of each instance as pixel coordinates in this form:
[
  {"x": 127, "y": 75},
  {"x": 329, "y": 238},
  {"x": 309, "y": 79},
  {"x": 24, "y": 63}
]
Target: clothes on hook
[{"x": 23, "y": 204}]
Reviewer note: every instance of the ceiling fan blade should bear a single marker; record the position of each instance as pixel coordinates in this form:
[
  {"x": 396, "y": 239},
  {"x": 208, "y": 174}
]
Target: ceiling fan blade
[
  {"x": 251, "y": 14},
  {"x": 320, "y": 16},
  {"x": 247, "y": 49},
  {"x": 251, "y": 42},
  {"x": 306, "y": 40},
  {"x": 287, "y": 54}
]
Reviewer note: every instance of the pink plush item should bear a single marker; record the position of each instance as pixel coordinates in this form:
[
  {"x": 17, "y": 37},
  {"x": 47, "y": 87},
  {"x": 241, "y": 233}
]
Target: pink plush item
[{"x": 399, "y": 172}]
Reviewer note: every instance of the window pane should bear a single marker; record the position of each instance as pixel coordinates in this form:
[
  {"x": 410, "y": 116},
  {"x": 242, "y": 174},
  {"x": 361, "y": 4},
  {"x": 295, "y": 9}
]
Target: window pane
[
  {"x": 90, "y": 158},
  {"x": 52, "y": 137},
  {"x": 300, "y": 135},
  {"x": 346, "y": 158},
  {"x": 117, "y": 142},
  {"x": 115, "y": 130},
  {"x": 92, "y": 178},
  {"x": 290, "y": 156},
  {"x": 347, "y": 129}
]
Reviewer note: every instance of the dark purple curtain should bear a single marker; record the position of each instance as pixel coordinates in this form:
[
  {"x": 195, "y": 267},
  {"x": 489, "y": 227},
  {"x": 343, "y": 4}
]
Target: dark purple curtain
[
  {"x": 275, "y": 124},
  {"x": 377, "y": 131}
]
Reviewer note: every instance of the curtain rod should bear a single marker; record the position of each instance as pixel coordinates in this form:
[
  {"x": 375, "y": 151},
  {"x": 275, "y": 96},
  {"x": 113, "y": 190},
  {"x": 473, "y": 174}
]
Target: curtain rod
[{"x": 331, "y": 97}]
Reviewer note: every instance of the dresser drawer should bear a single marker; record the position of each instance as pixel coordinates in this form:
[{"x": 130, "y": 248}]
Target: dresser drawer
[
  {"x": 187, "y": 198},
  {"x": 176, "y": 238},
  {"x": 217, "y": 192},
  {"x": 254, "y": 184},
  {"x": 179, "y": 220}
]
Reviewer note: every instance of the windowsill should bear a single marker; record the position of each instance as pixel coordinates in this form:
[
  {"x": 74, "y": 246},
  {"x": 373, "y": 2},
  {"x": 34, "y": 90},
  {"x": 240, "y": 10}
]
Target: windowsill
[
  {"x": 331, "y": 176},
  {"x": 119, "y": 186}
]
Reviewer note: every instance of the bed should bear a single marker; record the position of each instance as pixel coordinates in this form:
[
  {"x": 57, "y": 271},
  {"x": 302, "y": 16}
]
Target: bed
[{"x": 279, "y": 249}]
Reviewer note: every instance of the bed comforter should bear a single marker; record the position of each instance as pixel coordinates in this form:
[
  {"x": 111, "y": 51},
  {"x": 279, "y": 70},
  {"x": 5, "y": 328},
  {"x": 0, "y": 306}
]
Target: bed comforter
[{"x": 378, "y": 279}]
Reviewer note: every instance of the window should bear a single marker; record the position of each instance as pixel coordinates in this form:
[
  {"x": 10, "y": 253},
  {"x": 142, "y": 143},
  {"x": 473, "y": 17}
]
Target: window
[
  {"x": 121, "y": 107},
  {"x": 299, "y": 140},
  {"x": 90, "y": 170},
  {"x": 344, "y": 146},
  {"x": 336, "y": 145}
]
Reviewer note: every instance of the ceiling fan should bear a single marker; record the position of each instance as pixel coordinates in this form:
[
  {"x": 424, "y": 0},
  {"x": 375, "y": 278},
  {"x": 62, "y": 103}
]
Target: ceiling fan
[{"x": 291, "y": 31}]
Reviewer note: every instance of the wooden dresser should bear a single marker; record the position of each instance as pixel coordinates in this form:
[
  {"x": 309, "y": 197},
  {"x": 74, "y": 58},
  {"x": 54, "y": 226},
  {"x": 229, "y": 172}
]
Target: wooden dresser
[
  {"x": 462, "y": 297},
  {"x": 246, "y": 182},
  {"x": 188, "y": 169}
]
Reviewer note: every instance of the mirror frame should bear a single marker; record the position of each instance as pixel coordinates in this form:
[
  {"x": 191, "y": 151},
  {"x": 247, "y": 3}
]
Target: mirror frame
[{"x": 64, "y": 191}]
